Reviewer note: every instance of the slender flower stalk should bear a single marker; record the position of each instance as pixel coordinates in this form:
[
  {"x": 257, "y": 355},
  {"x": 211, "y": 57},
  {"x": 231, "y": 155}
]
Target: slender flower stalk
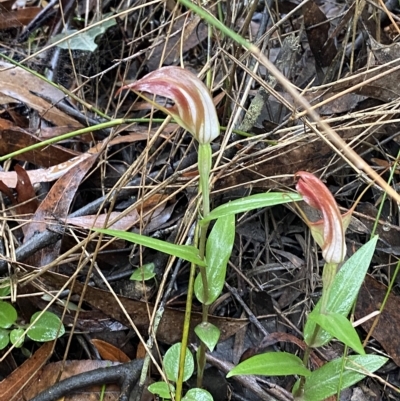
[
  {"x": 193, "y": 110},
  {"x": 329, "y": 233}
]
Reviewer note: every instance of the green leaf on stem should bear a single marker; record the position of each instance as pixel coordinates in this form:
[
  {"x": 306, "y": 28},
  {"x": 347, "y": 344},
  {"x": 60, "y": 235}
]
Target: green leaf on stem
[
  {"x": 47, "y": 328},
  {"x": 344, "y": 291},
  {"x": 197, "y": 394},
  {"x": 218, "y": 250},
  {"x": 186, "y": 252},
  {"x": 339, "y": 327},
  {"x": 5, "y": 288},
  {"x": 8, "y": 315},
  {"x": 250, "y": 203},
  {"x": 17, "y": 337},
  {"x": 4, "y": 338},
  {"x": 208, "y": 333},
  {"x": 271, "y": 364},
  {"x": 162, "y": 389},
  {"x": 171, "y": 363},
  {"x": 324, "y": 382}
]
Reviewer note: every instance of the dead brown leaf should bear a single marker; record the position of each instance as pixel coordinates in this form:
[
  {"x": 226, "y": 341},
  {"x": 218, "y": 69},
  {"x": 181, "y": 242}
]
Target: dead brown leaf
[
  {"x": 49, "y": 375},
  {"x": 94, "y": 221},
  {"x": 22, "y": 86},
  {"x": 56, "y": 205},
  {"x": 13, "y": 138},
  {"x": 382, "y": 83},
  {"x": 26, "y": 196},
  {"x": 18, "y": 18},
  {"x": 110, "y": 352},
  {"x": 12, "y": 385},
  {"x": 386, "y": 331},
  {"x": 185, "y": 34},
  {"x": 317, "y": 30},
  {"x": 44, "y": 175}
]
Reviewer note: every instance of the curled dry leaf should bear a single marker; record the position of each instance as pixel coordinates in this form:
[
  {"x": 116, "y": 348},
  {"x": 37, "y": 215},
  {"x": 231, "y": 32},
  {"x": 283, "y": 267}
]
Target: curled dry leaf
[
  {"x": 22, "y": 87},
  {"x": 44, "y": 174}
]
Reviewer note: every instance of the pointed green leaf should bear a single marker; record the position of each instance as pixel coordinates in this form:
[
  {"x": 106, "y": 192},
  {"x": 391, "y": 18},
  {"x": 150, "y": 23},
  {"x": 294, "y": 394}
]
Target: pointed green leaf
[
  {"x": 8, "y": 315},
  {"x": 208, "y": 333},
  {"x": 171, "y": 363},
  {"x": 186, "y": 252},
  {"x": 197, "y": 394},
  {"x": 324, "y": 382},
  {"x": 271, "y": 364},
  {"x": 47, "y": 328},
  {"x": 340, "y": 327},
  {"x": 250, "y": 203},
  {"x": 344, "y": 290},
  {"x": 218, "y": 251}
]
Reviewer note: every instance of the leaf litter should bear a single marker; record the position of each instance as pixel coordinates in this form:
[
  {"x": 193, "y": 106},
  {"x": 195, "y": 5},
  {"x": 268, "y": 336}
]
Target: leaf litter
[{"x": 141, "y": 179}]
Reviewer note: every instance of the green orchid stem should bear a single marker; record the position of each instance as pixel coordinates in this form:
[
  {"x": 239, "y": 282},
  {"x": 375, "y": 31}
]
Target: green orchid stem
[
  {"x": 186, "y": 326},
  {"x": 328, "y": 276},
  {"x": 300, "y": 390},
  {"x": 204, "y": 162}
]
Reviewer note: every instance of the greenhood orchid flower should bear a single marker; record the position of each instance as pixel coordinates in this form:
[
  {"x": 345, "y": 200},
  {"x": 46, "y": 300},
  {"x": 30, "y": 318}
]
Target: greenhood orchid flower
[
  {"x": 329, "y": 232},
  {"x": 194, "y": 109}
]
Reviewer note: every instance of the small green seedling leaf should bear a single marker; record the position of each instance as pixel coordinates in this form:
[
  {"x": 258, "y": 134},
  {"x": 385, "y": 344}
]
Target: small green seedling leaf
[
  {"x": 271, "y": 364},
  {"x": 186, "y": 252},
  {"x": 8, "y": 315},
  {"x": 340, "y": 327},
  {"x": 69, "y": 305},
  {"x": 250, "y": 203},
  {"x": 171, "y": 363},
  {"x": 161, "y": 389},
  {"x": 5, "y": 288},
  {"x": 324, "y": 382},
  {"x": 344, "y": 290},
  {"x": 85, "y": 40},
  {"x": 146, "y": 272},
  {"x": 4, "y": 338},
  {"x": 218, "y": 251},
  {"x": 17, "y": 337},
  {"x": 47, "y": 328},
  {"x": 208, "y": 333},
  {"x": 197, "y": 394}
]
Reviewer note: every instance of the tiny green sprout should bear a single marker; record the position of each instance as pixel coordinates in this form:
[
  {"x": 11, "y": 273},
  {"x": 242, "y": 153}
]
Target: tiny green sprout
[{"x": 144, "y": 273}]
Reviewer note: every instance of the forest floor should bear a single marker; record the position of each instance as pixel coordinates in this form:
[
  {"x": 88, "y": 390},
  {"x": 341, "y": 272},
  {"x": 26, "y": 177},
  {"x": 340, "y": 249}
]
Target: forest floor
[{"x": 127, "y": 167}]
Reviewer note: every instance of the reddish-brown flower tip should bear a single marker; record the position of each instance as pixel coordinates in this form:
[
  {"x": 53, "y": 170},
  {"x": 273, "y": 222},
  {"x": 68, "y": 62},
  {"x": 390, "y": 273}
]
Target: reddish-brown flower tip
[
  {"x": 317, "y": 195},
  {"x": 194, "y": 109}
]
